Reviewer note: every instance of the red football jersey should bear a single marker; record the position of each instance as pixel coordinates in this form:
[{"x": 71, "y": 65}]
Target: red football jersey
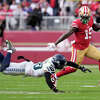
[{"x": 83, "y": 36}]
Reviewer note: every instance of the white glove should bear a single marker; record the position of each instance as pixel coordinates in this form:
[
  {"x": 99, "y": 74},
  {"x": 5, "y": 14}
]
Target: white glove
[{"x": 51, "y": 45}]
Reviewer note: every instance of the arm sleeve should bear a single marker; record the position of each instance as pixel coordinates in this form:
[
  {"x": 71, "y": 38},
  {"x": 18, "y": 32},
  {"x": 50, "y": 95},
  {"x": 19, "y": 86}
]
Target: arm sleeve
[
  {"x": 70, "y": 63},
  {"x": 49, "y": 82}
]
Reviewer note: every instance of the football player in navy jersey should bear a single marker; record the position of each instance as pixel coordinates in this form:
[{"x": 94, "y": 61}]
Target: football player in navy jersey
[{"x": 28, "y": 68}]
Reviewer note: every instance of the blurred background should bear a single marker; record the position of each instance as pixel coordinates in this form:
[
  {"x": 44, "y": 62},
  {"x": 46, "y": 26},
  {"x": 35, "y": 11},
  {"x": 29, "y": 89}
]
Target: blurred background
[{"x": 44, "y": 14}]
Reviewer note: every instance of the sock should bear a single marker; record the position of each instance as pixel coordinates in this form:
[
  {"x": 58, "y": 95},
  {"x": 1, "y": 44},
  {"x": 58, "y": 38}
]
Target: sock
[
  {"x": 65, "y": 71},
  {"x": 5, "y": 62},
  {"x": 10, "y": 51},
  {"x": 99, "y": 65}
]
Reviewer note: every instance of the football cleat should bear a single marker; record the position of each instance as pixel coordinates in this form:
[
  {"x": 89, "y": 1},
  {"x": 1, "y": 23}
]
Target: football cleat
[
  {"x": 54, "y": 80},
  {"x": 10, "y": 46}
]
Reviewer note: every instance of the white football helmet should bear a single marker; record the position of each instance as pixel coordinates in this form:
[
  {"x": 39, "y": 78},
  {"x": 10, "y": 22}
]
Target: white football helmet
[{"x": 84, "y": 11}]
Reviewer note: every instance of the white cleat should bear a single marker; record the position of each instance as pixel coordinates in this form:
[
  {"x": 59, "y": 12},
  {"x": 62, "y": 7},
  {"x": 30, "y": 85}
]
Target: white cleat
[{"x": 10, "y": 46}]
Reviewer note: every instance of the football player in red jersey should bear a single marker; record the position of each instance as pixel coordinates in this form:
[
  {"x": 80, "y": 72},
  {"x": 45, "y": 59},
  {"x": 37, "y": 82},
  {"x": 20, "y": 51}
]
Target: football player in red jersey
[{"x": 82, "y": 28}]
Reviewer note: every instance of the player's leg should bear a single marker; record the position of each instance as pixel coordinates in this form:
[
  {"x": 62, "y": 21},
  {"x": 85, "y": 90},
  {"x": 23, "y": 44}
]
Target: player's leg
[
  {"x": 77, "y": 57},
  {"x": 11, "y": 68},
  {"x": 93, "y": 53},
  {"x": 1, "y": 57},
  {"x": 6, "y": 60},
  {"x": 16, "y": 68}
]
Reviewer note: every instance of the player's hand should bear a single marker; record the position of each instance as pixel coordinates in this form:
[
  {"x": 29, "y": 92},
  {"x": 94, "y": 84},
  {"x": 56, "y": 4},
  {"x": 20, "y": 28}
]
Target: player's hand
[
  {"x": 52, "y": 46},
  {"x": 83, "y": 69},
  {"x": 58, "y": 91}
]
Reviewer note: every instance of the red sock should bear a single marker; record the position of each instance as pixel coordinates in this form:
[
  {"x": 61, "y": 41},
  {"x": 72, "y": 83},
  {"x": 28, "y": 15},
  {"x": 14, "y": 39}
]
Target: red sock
[
  {"x": 99, "y": 65},
  {"x": 65, "y": 71}
]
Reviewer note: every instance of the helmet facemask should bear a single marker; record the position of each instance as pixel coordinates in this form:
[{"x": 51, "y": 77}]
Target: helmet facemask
[
  {"x": 85, "y": 19},
  {"x": 59, "y": 65}
]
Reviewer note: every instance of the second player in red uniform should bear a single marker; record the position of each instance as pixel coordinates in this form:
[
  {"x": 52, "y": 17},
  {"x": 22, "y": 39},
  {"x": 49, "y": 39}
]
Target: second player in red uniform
[{"x": 82, "y": 28}]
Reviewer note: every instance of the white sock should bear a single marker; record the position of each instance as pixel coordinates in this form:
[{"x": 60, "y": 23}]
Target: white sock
[{"x": 10, "y": 51}]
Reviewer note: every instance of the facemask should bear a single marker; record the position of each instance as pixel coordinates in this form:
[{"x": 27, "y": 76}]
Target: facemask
[{"x": 85, "y": 20}]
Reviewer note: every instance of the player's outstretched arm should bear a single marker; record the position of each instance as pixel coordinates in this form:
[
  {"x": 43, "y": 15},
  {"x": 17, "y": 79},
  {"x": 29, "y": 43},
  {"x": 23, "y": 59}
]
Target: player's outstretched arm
[
  {"x": 63, "y": 37},
  {"x": 66, "y": 35},
  {"x": 82, "y": 68},
  {"x": 50, "y": 83}
]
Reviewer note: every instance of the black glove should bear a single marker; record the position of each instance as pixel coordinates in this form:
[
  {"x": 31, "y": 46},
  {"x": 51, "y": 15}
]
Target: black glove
[
  {"x": 57, "y": 91},
  {"x": 83, "y": 69},
  {"x": 60, "y": 91}
]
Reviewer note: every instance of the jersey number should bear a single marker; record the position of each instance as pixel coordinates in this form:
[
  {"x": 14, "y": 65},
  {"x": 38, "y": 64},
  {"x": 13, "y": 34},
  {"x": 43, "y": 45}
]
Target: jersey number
[{"x": 88, "y": 33}]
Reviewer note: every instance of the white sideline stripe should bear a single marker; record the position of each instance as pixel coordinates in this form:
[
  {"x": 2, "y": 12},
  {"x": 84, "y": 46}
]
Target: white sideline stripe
[
  {"x": 24, "y": 92},
  {"x": 35, "y": 49},
  {"x": 32, "y": 49}
]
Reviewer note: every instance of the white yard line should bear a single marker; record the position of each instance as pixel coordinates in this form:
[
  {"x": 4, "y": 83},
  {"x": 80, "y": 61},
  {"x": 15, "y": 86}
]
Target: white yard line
[
  {"x": 24, "y": 92},
  {"x": 88, "y": 86}
]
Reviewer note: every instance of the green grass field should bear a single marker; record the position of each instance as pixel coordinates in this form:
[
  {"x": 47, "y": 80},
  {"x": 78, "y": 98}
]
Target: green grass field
[{"x": 77, "y": 86}]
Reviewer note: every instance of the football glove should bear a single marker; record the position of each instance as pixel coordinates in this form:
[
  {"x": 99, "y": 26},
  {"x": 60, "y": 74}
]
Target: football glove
[
  {"x": 60, "y": 91},
  {"x": 51, "y": 46},
  {"x": 83, "y": 69},
  {"x": 57, "y": 91}
]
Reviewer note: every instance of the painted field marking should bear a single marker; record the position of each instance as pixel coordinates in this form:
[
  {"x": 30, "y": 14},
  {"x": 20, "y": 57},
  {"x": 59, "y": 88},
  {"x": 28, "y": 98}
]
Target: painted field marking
[
  {"x": 88, "y": 86},
  {"x": 25, "y": 92},
  {"x": 32, "y": 49}
]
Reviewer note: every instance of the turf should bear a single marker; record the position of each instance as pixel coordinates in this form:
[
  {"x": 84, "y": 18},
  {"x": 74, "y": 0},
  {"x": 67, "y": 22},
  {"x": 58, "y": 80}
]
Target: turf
[{"x": 77, "y": 86}]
